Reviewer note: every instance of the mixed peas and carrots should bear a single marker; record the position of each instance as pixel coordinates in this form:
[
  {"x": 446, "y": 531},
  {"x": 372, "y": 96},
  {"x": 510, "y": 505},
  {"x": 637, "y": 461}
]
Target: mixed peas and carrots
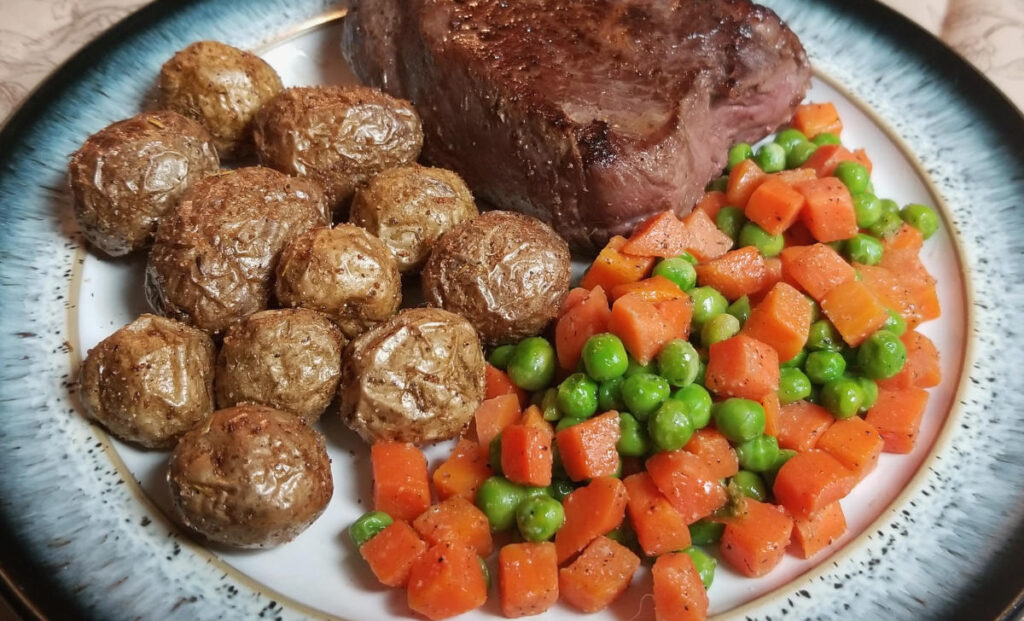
[{"x": 722, "y": 379}]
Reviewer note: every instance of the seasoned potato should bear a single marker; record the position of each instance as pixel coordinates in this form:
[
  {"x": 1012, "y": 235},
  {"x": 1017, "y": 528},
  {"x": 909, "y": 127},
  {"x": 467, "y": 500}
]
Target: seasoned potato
[
  {"x": 343, "y": 272},
  {"x": 150, "y": 381},
  {"x": 250, "y": 477},
  {"x": 128, "y": 175},
  {"x": 505, "y": 272},
  {"x": 220, "y": 86},
  {"x": 410, "y": 207},
  {"x": 415, "y": 378}
]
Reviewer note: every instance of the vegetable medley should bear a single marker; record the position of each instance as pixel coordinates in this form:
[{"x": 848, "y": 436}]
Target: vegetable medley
[{"x": 723, "y": 380}]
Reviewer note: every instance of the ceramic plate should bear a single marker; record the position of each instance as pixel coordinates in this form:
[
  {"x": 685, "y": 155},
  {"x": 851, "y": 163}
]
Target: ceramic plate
[{"x": 935, "y": 533}]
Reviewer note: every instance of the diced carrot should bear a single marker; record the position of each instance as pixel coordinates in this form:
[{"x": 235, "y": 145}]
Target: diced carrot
[
  {"x": 679, "y": 594},
  {"x": 599, "y": 576},
  {"x": 735, "y": 274},
  {"x": 774, "y": 205},
  {"x": 703, "y": 239},
  {"x": 801, "y": 424},
  {"x": 906, "y": 262},
  {"x": 772, "y": 276},
  {"x": 816, "y": 269},
  {"x": 824, "y": 161},
  {"x": 574, "y": 297},
  {"x": 742, "y": 367},
  {"x": 590, "y": 512},
  {"x": 658, "y": 526},
  {"x": 926, "y": 305},
  {"x": 392, "y": 552},
  {"x": 497, "y": 383},
  {"x": 861, "y": 156},
  {"x": 890, "y": 291},
  {"x": 688, "y": 483},
  {"x": 917, "y": 284},
  {"x": 794, "y": 176},
  {"x": 782, "y": 319},
  {"x": 772, "y": 413},
  {"x": 526, "y": 455},
  {"x": 798, "y": 235},
  {"x": 661, "y": 235},
  {"x": 743, "y": 180},
  {"x": 533, "y": 417},
  {"x": 922, "y": 369},
  {"x": 653, "y": 289},
  {"x": 527, "y": 578},
  {"x": 463, "y": 472},
  {"x": 612, "y": 267},
  {"x": 855, "y": 311},
  {"x": 492, "y": 416},
  {"x": 810, "y": 481},
  {"x": 819, "y": 531},
  {"x": 445, "y": 581},
  {"x": 587, "y": 449},
  {"x": 828, "y": 212},
  {"x": 676, "y": 316},
  {"x": 817, "y": 118},
  {"x": 854, "y": 443},
  {"x": 712, "y": 202},
  {"x": 715, "y": 451},
  {"x": 755, "y": 542},
  {"x": 897, "y": 416},
  {"x": 586, "y": 318},
  {"x": 401, "y": 487},
  {"x": 644, "y": 327},
  {"x": 455, "y": 520},
  {"x": 906, "y": 237}
]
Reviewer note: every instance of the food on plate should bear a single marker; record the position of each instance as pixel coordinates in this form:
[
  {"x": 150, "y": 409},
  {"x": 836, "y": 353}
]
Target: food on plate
[
  {"x": 250, "y": 477},
  {"x": 505, "y": 272},
  {"x": 343, "y": 272},
  {"x": 595, "y": 116},
  {"x": 410, "y": 207},
  {"x": 125, "y": 177},
  {"x": 337, "y": 136},
  {"x": 220, "y": 86},
  {"x": 288, "y": 359},
  {"x": 213, "y": 258},
  {"x": 416, "y": 377},
  {"x": 150, "y": 381}
]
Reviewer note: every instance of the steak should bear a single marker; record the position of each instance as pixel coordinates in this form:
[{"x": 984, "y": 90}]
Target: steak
[{"x": 588, "y": 114}]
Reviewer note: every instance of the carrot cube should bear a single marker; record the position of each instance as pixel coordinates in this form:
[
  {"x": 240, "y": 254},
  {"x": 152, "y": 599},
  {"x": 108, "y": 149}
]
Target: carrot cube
[
  {"x": 455, "y": 520},
  {"x": 755, "y": 542},
  {"x": 688, "y": 483},
  {"x": 527, "y": 578},
  {"x": 897, "y": 417},
  {"x": 526, "y": 455},
  {"x": 828, "y": 212},
  {"x": 824, "y": 161},
  {"x": 703, "y": 239},
  {"x": 653, "y": 289},
  {"x": 463, "y": 472},
  {"x": 774, "y": 205},
  {"x": 679, "y": 594},
  {"x": 715, "y": 451},
  {"x": 491, "y": 418},
  {"x": 816, "y": 269},
  {"x": 734, "y": 274},
  {"x": 817, "y": 118},
  {"x": 445, "y": 581},
  {"x": 922, "y": 369},
  {"x": 392, "y": 552},
  {"x": 599, "y": 576},
  {"x": 589, "y": 316},
  {"x": 742, "y": 367},
  {"x": 801, "y": 423},
  {"x": 588, "y": 449},
  {"x": 497, "y": 383},
  {"x": 711, "y": 203},
  {"x": 810, "y": 481},
  {"x": 744, "y": 178},
  {"x": 401, "y": 486},
  {"x": 676, "y": 316},
  {"x": 782, "y": 319},
  {"x": 645, "y": 327},
  {"x": 855, "y": 311},
  {"x": 906, "y": 237},
  {"x": 590, "y": 512},
  {"x": 613, "y": 267},
  {"x": 854, "y": 443},
  {"x": 661, "y": 235},
  {"x": 820, "y": 530},
  {"x": 772, "y": 414},
  {"x": 533, "y": 417},
  {"x": 659, "y": 527}
]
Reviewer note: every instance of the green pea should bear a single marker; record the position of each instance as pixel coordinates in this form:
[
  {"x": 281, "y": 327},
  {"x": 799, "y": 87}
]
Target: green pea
[
  {"x": 670, "y": 427},
  {"x": 718, "y": 183},
  {"x": 757, "y": 454},
  {"x": 549, "y": 405},
  {"x": 500, "y": 356},
  {"x": 780, "y": 460},
  {"x": 718, "y": 329},
  {"x": 771, "y": 157},
  {"x": 367, "y": 527},
  {"x": 539, "y": 518},
  {"x": 869, "y": 389},
  {"x": 697, "y": 401},
  {"x": 568, "y": 421},
  {"x": 737, "y": 153},
  {"x": 486, "y": 571},
  {"x": 796, "y": 362},
  {"x": 823, "y": 336},
  {"x": 604, "y": 357},
  {"x": 887, "y": 225},
  {"x": 705, "y": 532},
  {"x": 882, "y": 355},
  {"x": 825, "y": 138},
  {"x": 853, "y": 175},
  {"x": 577, "y": 396},
  {"x": 643, "y": 393},
  {"x": 702, "y": 373},
  {"x": 494, "y": 454},
  {"x": 704, "y": 563},
  {"x": 609, "y": 395},
  {"x": 532, "y": 364},
  {"x": 824, "y": 366},
  {"x": 635, "y": 368},
  {"x": 678, "y": 270},
  {"x": 868, "y": 208},
  {"x": 707, "y": 303},
  {"x": 750, "y": 484},
  {"x": 767, "y": 244},
  {"x": 689, "y": 258},
  {"x": 789, "y": 138},
  {"x": 738, "y": 419},
  {"x": 499, "y": 498},
  {"x": 532, "y": 492},
  {"x": 633, "y": 439},
  {"x": 799, "y": 154},
  {"x": 730, "y": 220},
  {"x": 561, "y": 488},
  {"x": 922, "y": 218},
  {"x": 842, "y": 397},
  {"x": 740, "y": 309},
  {"x": 815, "y": 308},
  {"x": 864, "y": 249},
  {"x": 890, "y": 206},
  {"x": 794, "y": 385},
  {"x": 895, "y": 323},
  {"x": 678, "y": 362}
]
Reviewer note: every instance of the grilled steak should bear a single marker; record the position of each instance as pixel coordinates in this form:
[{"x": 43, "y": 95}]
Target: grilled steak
[{"x": 588, "y": 114}]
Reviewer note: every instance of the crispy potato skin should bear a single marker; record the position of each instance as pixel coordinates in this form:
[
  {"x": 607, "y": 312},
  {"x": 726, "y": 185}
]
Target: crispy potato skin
[
  {"x": 505, "y": 272},
  {"x": 250, "y": 477},
  {"x": 125, "y": 177},
  {"x": 150, "y": 381},
  {"x": 410, "y": 207},
  {"x": 213, "y": 259},
  {"x": 221, "y": 87},
  {"x": 337, "y": 136},
  {"x": 343, "y": 272},
  {"x": 415, "y": 378},
  {"x": 287, "y": 359}
]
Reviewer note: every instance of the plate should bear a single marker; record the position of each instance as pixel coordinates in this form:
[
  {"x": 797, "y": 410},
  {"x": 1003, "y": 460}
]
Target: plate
[{"x": 932, "y": 534}]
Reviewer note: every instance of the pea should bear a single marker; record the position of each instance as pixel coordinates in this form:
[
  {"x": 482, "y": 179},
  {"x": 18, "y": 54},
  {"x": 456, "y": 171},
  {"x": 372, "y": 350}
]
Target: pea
[
  {"x": 678, "y": 362},
  {"x": 882, "y": 355},
  {"x": 707, "y": 302},
  {"x": 922, "y": 218},
  {"x": 750, "y": 484},
  {"x": 757, "y": 454},
  {"x": 367, "y": 527},
  {"x": 869, "y": 389},
  {"x": 568, "y": 421},
  {"x": 604, "y": 357},
  {"x": 643, "y": 393},
  {"x": 895, "y": 323},
  {"x": 823, "y": 336},
  {"x": 886, "y": 226},
  {"x": 842, "y": 397},
  {"x": 718, "y": 183},
  {"x": 794, "y": 385},
  {"x": 740, "y": 309},
  {"x": 532, "y": 364},
  {"x": 825, "y": 138},
  {"x": 697, "y": 401},
  {"x": 780, "y": 460},
  {"x": 702, "y": 373},
  {"x": 767, "y": 244},
  {"x": 500, "y": 356},
  {"x": 706, "y": 532},
  {"x": 868, "y": 209},
  {"x": 609, "y": 395},
  {"x": 853, "y": 175},
  {"x": 718, "y": 329},
  {"x": 678, "y": 270},
  {"x": 704, "y": 563},
  {"x": 633, "y": 439},
  {"x": 738, "y": 419},
  {"x": 486, "y": 571},
  {"x": 499, "y": 498},
  {"x": 730, "y": 220},
  {"x": 494, "y": 454},
  {"x": 577, "y": 396},
  {"x": 815, "y": 308},
  {"x": 864, "y": 249},
  {"x": 796, "y": 362},
  {"x": 771, "y": 157},
  {"x": 636, "y": 368},
  {"x": 689, "y": 258},
  {"x": 549, "y": 405},
  {"x": 789, "y": 138},
  {"x": 539, "y": 518},
  {"x": 737, "y": 153},
  {"x": 890, "y": 206},
  {"x": 824, "y": 366},
  {"x": 799, "y": 154},
  {"x": 670, "y": 427},
  {"x": 561, "y": 488}
]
